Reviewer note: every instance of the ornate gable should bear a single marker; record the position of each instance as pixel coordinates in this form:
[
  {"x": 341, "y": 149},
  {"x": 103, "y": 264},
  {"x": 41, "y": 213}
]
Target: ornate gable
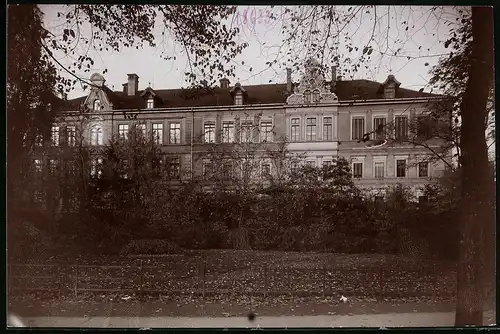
[
  {"x": 97, "y": 100},
  {"x": 312, "y": 88}
]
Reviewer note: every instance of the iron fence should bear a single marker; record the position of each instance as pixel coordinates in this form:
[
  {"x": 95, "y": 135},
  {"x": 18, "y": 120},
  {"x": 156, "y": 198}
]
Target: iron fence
[{"x": 203, "y": 280}]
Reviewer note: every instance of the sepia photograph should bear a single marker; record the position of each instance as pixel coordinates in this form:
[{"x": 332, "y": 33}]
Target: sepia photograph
[{"x": 275, "y": 166}]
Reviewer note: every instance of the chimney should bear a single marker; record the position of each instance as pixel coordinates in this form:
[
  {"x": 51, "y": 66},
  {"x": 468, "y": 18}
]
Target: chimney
[
  {"x": 224, "y": 83},
  {"x": 133, "y": 84},
  {"x": 334, "y": 78},
  {"x": 125, "y": 88},
  {"x": 289, "y": 80}
]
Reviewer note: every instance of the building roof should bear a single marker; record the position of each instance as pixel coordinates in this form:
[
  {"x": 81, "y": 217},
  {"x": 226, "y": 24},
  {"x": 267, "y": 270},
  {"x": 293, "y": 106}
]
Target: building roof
[{"x": 256, "y": 94}]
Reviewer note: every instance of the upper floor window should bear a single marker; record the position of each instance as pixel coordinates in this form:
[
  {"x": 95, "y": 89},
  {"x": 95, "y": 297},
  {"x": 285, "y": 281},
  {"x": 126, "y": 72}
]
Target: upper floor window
[
  {"x": 141, "y": 128},
  {"x": 209, "y": 131},
  {"x": 227, "y": 132},
  {"x": 423, "y": 169},
  {"x": 175, "y": 133},
  {"x": 265, "y": 170},
  {"x": 401, "y": 127},
  {"x": 327, "y": 163},
  {"x": 123, "y": 131},
  {"x": 150, "y": 103},
  {"x": 238, "y": 99},
  {"x": 424, "y": 127},
  {"x": 54, "y": 135},
  {"x": 401, "y": 168},
  {"x": 358, "y": 128},
  {"x": 311, "y": 129},
  {"x": 311, "y": 163},
  {"x": 379, "y": 170},
  {"x": 357, "y": 170},
  {"x": 295, "y": 129},
  {"x": 96, "y": 136},
  {"x": 316, "y": 96},
  {"x": 71, "y": 135},
  {"x": 97, "y": 105},
  {"x": 294, "y": 167},
  {"x": 266, "y": 131},
  {"x": 379, "y": 124},
  {"x": 158, "y": 133},
  {"x": 327, "y": 128},
  {"x": 246, "y": 131},
  {"x": 39, "y": 140}
]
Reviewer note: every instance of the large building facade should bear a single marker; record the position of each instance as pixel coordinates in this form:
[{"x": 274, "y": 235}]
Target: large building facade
[{"x": 320, "y": 119}]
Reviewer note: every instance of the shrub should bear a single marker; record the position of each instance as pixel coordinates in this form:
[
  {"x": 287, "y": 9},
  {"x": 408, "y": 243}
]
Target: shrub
[{"x": 151, "y": 247}]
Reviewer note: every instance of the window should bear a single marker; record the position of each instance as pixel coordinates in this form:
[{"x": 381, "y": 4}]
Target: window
[
  {"x": 175, "y": 167},
  {"x": 150, "y": 103},
  {"x": 39, "y": 140},
  {"x": 246, "y": 132},
  {"x": 227, "y": 132},
  {"x": 357, "y": 168},
  {"x": 71, "y": 135},
  {"x": 265, "y": 170},
  {"x": 208, "y": 169},
  {"x": 97, "y": 105},
  {"x": 390, "y": 92},
  {"x": 400, "y": 168},
  {"x": 295, "y": 129},
  {"x": 266, "y": 131},
  {"x": 327, "y": 128},
  {"x": 125, "y": 169},
  {"x": 38, "y": 197},
  {"x": 227, "y": 170},
  {"x": 424, "y": 128},
  {"x": 52, "y": 166},
  {"x": 141, "y": 128},
  {"x": 123, "y": 131},
  {"x": 96, "y": 136},
  {"x": 209, "y": 132},
  {"x": 54, "y": 135},
  {"x": 423, "y": 169},
  {"x": 158, "y": 133},
  {"x": 311, "y": 129},
  {"x": 379, "y": 124},
  {"x": 38, "y": 166},
  {"x": 175, "y": 133},
  {"x": 327, "y": 163},
  {"x": 294, "y": 167},
  {"x": 358, "y": 128},
  {"x": 311, "y": 163},
  {"x": 307, "y": 96},
  {"x": 316, "y": 96},
  {"x": 96, "y": 167},
  {"x": 401, "y": 127},
  {"x": 379, "y": 170},
  {"x": 422, "y": 199},
  {"x": 238, "y": 99}
]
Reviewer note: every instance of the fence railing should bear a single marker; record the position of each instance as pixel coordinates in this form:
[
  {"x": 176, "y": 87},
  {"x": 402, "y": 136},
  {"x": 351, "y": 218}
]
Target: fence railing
[{"x": 204, "y": 280}]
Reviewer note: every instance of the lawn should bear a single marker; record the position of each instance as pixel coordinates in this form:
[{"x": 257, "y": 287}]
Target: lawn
[{"x": 240, "y": 273}]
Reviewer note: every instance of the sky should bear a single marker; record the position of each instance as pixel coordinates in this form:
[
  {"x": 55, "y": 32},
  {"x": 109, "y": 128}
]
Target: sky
[{"x": 264, "y": 36}]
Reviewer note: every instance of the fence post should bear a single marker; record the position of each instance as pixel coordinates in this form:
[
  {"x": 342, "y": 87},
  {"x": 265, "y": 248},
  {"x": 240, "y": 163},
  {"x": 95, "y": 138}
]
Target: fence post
[
  {"x": 140, "y": 278},
  {"x": 76, "y": 280},
  {"x": 381, "y": 282},
  {"x": 324, "y": 280},
  {"x": 265, "y": 280}
]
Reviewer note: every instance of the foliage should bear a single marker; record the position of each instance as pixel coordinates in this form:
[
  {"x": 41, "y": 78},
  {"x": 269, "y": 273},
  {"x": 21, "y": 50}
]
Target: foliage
[{"x": 210, "y": 44}]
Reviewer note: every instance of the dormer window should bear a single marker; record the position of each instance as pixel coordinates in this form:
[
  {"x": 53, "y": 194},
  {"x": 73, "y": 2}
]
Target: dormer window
[
  {"x": 307, "y": 96},
  {"x": 390, "y": 91},
  {"x": 315, "y": 97},
  {"x": 150, "y": 103},
  {"x": 97, "y": 105},
  {"x": 238, "y": 99}
]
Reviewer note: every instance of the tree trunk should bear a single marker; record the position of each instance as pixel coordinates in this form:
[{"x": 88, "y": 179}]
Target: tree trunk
[{"x": 476, "y": 178}]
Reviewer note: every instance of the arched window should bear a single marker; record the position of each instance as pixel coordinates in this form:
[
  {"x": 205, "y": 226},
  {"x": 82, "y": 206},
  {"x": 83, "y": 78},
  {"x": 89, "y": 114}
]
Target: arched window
[
  {"x": 97, "y": 105},
  {"x": 315, "y": 96}
]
